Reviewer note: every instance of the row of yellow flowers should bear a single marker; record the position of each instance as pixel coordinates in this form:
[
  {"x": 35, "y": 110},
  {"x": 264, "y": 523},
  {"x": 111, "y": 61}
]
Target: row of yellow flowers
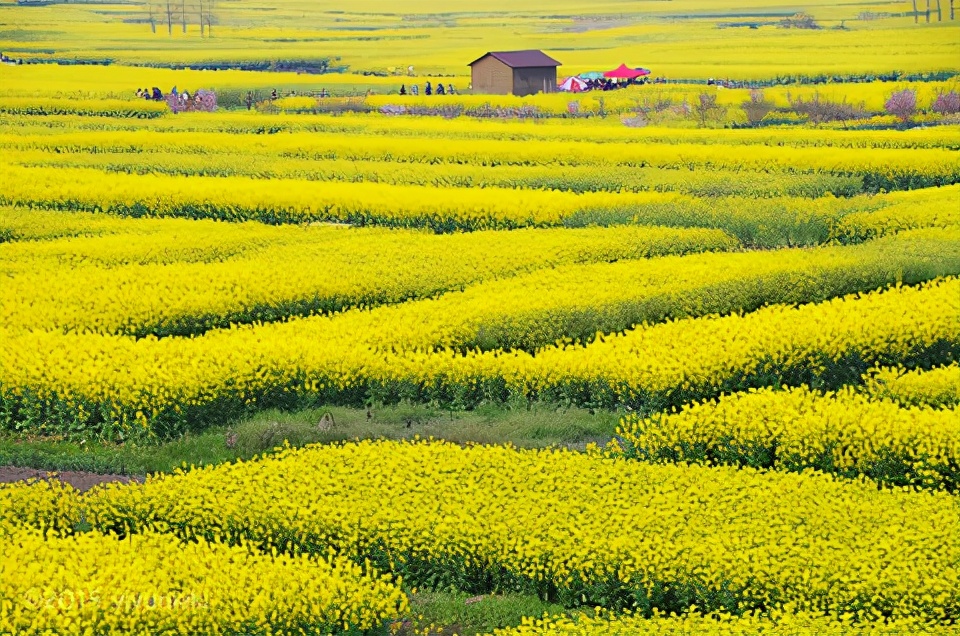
[
  {"x": 939, "y": 387},
  {"x": 48, "y": 506},
  {"x": 844, "y": 433},
  {"x": 711, "y": 183},
  {"x": 782, "y": 221},
  {"x": 693, "y": 624},
  {"x": 299, "y": 201},
  {"x": 120, "y": 387},
  {"x": 881, "y": 168},
  {"x": 172, "y": 276},
  {"x": 44, "y": 106},
  {"x": 903, "y": 210},
  {"x": 603, "y": 131},
  {"x": 574, "y": 528},
  {"x": 522, "y": 289},
  {"x": 149, "y": 584}
]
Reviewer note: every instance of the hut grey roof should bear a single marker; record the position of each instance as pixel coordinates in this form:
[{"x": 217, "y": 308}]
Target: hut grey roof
[{"x": 520, "y": 59}]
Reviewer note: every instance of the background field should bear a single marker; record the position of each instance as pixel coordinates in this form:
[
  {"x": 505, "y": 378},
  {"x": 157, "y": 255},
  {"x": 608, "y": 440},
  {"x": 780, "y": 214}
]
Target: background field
[{"x": 376, "y": 43}]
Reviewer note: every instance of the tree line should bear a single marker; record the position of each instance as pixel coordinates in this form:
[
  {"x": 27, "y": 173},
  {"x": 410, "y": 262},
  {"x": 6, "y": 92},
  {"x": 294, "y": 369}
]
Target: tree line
[{"x": 182, "y": 12}]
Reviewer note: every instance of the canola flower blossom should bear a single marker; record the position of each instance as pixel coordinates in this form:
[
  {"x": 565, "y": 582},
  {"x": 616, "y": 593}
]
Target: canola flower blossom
[
  {"x": 844, "y": 433},
  {"x": 47, "y": 505},
  {"x": 148, "y": 584},
  {"x": 938, "y": 387},
  {"x": 690, "y": 624}
]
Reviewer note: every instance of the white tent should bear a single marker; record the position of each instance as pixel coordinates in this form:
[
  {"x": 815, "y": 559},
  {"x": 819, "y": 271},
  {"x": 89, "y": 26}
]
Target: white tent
[{"x": 572, "y": 85}]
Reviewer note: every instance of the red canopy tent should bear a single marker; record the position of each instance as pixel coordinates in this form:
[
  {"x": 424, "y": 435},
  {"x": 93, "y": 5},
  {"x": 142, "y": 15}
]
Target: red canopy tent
[{"x": 624, "y": 72}]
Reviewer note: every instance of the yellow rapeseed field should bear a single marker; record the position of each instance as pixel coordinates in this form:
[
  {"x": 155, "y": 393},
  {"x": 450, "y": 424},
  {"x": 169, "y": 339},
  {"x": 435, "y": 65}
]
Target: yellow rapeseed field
[{"x": 751, "y": 259}]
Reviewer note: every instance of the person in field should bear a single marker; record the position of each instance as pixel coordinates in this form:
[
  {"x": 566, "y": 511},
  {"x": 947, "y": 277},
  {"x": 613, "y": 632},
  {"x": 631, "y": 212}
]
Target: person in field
[
  {"x": 427, "y": 89},
  {"x": 439, "y": 88},
  {"x": 403, "y": 89},
  {"x": 416, "y": 89}
]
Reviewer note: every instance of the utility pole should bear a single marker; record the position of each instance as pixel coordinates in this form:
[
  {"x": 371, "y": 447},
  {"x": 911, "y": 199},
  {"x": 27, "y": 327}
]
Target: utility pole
[
  {"x": 201, "y": 18},
  {"x": 153, "y": 23},
  {"x": 939, "y": 12},
  {"x": 183, "y": 14},
  {"x": 169, "y": 18},
  {"x": 916, "y": 16},
  {"x": 928, "y": 11}
]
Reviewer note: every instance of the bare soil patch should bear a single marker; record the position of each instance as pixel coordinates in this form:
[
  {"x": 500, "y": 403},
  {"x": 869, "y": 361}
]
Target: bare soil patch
[{"x": 78, "y": 479}]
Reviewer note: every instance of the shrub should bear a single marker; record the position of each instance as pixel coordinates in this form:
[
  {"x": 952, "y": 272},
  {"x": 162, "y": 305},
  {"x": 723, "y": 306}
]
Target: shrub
[
  {"x": 799, "y": 21},
  {"x": 706, "y": 108},
  {"x": 757, "y": 107},
  {"x": 819, "y": 110}
]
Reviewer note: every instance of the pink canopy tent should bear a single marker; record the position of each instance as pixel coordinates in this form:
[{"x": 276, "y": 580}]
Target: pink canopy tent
[
  {"x": 573, "y": 85},
  {"x": 624, "y": 72}
]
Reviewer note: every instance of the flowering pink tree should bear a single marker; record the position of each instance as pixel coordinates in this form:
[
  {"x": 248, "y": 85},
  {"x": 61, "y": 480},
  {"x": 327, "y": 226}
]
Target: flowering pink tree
[
  {"x": 947, "y": 103},
  {"x": 902, "y": 104}
]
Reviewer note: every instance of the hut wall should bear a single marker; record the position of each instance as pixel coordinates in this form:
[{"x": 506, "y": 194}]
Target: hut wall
[
  {"x": 531, "y": 80},
  {"x": 493, "y": 77}
]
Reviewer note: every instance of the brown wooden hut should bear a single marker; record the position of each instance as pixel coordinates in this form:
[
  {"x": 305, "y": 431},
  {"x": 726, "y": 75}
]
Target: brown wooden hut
[{"x": 517, "y": 72}]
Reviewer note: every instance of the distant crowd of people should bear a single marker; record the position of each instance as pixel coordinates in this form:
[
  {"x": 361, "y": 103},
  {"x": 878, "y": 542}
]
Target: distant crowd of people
[
  {"x": 179, "y": 101},
  {"x": 148, "y": 94},
  {"x": 156, "y": 95},
  {"x": 610, "y": 85},
  {"x": 429, "y": 89},
  {"x": 727, "y": 83},
  {"x": 9, "y": 60},
  {"x": 274, "y": 95}
]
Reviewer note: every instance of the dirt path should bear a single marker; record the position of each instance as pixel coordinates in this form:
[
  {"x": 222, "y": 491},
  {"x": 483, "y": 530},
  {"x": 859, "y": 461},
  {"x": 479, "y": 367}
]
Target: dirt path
[{"x": 78, "y": 479}]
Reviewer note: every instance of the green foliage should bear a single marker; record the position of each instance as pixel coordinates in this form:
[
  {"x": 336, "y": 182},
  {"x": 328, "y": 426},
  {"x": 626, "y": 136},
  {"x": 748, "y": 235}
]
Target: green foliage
[
  {"x": 445, "y": 613},
  {"x": 538, "y": 425}
]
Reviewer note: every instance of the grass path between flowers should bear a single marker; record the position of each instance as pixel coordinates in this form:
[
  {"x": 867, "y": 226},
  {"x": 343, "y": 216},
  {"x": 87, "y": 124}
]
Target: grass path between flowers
[
  {"x": 450, "y": 613},
  {"x": 539, "y": 426}
]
